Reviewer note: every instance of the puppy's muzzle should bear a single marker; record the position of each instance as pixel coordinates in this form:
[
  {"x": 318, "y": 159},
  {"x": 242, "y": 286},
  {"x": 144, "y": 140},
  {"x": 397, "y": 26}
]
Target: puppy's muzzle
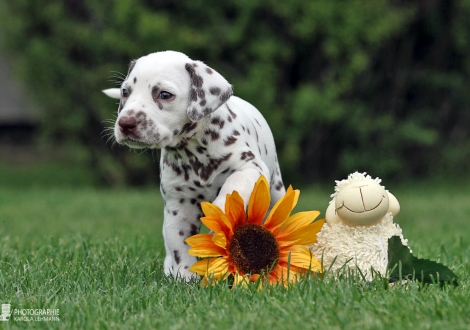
[{"x": 127, "y": 125}]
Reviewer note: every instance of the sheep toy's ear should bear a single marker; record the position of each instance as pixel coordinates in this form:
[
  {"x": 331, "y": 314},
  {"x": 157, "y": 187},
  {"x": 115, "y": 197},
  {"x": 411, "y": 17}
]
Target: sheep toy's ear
[
  {"x": 114, "y": 93},
  {"x": 393, "y": 205},
  {"x": 331, "y": 216}
]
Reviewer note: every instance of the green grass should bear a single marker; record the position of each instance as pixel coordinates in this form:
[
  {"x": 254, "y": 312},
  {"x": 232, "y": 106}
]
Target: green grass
[{"x": 96, "y": 255}]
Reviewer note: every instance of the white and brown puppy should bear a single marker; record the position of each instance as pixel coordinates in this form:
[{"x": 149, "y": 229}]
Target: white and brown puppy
[{"x": 212, "y": 142}]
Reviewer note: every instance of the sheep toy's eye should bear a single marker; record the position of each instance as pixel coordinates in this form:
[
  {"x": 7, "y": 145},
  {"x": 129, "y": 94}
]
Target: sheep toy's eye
[
  {"x": 165, "y": 95},
  {"x": 125, "y": 92}
]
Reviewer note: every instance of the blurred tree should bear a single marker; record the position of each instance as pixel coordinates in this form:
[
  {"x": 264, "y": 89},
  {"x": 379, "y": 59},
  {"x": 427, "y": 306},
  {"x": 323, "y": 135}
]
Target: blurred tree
[{"x": 346, "y": 85}]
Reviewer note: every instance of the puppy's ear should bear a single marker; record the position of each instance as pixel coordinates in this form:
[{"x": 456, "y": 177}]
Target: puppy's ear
[
  {"x": 208, "y": 90},
  {"x": 114, "y": 93}
]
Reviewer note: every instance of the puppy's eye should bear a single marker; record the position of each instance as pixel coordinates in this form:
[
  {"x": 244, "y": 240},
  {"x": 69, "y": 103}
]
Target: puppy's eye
[
  {"x": 165, "y": 95},
  {"x": 125, "y": 92}
]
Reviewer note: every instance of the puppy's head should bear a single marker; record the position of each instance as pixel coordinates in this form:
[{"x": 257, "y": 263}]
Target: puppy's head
[{"x": 163, "y": 96}]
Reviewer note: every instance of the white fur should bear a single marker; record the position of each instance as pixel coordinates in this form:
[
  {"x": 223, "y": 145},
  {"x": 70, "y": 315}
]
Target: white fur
[{"x": 209, "y": 143}]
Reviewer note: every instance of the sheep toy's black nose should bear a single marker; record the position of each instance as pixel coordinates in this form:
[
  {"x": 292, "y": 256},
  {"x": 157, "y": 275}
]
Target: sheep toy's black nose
[{"x": 127, "y": 124}]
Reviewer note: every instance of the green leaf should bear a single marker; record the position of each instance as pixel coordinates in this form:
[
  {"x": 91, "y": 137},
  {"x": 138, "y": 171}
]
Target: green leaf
[{"x": 404, "y": 265}]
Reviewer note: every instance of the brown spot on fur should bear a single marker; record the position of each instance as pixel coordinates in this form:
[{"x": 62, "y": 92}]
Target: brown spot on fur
[
  {"x": 176, "y": 254},
  {"x": 194, "y": 229},
  {"x": 186, "y": 169},
  {"x": 217, "y": 121},
  {"x": 279, "y": 185},
  {"x": 200, "y": 149},
  {"x": 215, "y": 90},
  {"x": 181, "y": 233},
  {"x": 175, "y": 212},
  {"x": 225, "y": 96},
  {"x": 208, "y": 70},
  {"x": 257, "y": 165},
  {"x": 135, "y": 80},
  {"x": 188, "y": 127},
  {"x": 230, "y": 140},
  {"x": 231, "y": 112},
  {"x": 196, "y": 80},
  {"x": 247, "y": 155},
  {"x": 214, "y": 134},
  {"x": 206, "y": 111},
  {"x": 181, "y": 200},
  {"x": 193, "y": 95},
  {"x": 204, "y": 171},
  {"x": 200, "y": 93}
]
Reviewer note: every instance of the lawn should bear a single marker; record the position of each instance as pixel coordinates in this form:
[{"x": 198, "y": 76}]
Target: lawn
[{"x": 96, "y": 255}]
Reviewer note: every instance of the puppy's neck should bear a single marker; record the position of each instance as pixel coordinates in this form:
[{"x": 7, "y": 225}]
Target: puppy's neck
[
  {"x": 189, "y": 143},
  {"x": 197, "y": 140}
]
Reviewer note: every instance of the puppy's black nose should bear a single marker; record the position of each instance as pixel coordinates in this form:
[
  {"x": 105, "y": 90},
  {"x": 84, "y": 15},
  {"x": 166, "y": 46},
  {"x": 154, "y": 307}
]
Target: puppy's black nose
[{"x": 127, "y": 124}]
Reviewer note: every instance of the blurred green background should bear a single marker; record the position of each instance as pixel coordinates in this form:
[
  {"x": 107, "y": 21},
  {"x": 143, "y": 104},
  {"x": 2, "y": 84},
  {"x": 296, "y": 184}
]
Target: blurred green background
[{"x": 378, "y": 86}]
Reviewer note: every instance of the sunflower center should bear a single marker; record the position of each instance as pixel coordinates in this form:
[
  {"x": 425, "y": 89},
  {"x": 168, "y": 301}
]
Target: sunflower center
[{"x": 253, "y": 248}]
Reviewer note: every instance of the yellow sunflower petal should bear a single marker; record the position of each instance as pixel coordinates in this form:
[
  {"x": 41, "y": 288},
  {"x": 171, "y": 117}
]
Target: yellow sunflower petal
[
  {"x": 296, "y": 221},
  {"x": 281, "y": 210},
  {"x": 306, "y": 235},
  {"x": 235, "y": 209},
  {"x": 201, "y": 266},
  {"x": 301, "y": 271},
  {"x": 259, "y": 201},
  {"x": 218, "y": 268},
  {"x": 207, "y": 250},
  {"x": 210, "y": 210},
  {"x": 199, "y": 239},
  {"x": 228, "y": 223},
  {"x": 220, "y": 239},
  {"x": 220, "y": 223},
  {"x": 296, "y": 197},
  {"x": 300, "y": 256}
]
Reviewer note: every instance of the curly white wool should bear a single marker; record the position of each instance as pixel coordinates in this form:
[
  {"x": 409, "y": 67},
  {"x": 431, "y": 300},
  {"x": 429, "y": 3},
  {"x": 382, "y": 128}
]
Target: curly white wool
[
  {"x": 353, "y": 177},
  {"x": 360, "y": 247}
]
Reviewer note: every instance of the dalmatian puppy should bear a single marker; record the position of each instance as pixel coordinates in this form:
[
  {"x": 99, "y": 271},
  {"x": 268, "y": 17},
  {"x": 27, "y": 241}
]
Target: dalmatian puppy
[{"x": 212, "y": 142}]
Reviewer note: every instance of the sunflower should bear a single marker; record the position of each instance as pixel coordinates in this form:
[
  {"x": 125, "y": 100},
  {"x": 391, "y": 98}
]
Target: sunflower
[{"x": 244, "y": 246}]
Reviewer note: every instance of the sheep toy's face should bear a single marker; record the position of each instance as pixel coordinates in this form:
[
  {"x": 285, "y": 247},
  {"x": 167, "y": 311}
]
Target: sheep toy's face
[{"x": 362, "y": 203}]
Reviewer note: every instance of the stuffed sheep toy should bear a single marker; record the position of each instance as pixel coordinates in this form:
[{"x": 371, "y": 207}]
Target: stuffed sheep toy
[{"x": 359, "y": 222}]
